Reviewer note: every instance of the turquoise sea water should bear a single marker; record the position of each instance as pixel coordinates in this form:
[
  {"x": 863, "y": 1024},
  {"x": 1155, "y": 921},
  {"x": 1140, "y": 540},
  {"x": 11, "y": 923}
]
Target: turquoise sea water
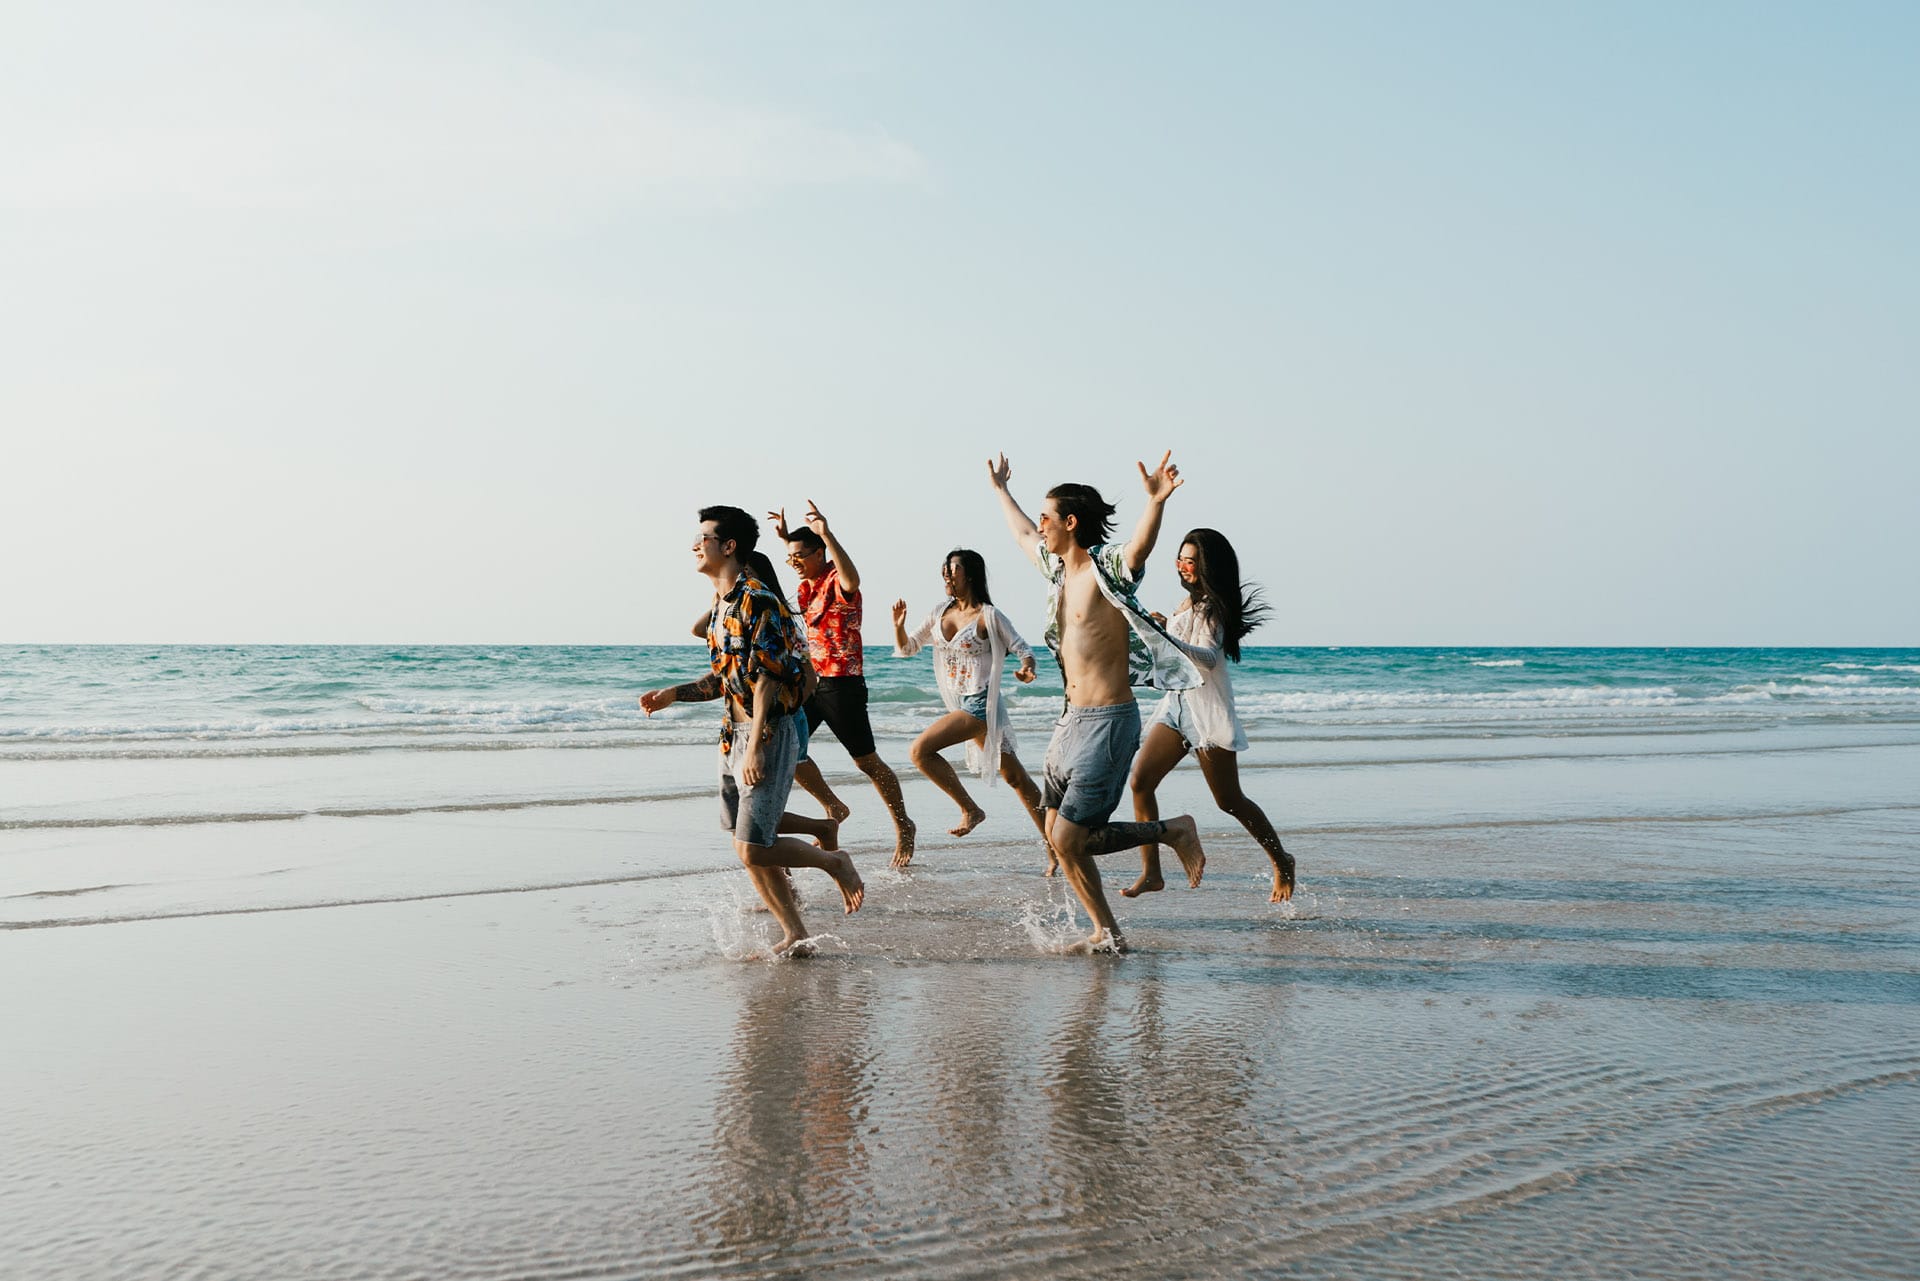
[{"x": 68, "y": 699}]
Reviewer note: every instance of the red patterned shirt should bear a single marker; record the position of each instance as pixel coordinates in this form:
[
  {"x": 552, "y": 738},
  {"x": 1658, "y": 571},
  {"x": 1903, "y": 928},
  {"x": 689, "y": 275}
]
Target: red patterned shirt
[{"x": 833, "y": 624}]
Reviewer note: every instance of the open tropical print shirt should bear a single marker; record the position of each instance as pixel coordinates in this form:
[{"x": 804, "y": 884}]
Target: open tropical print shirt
[
  {"x": 1153, "y": 657},
  {"x": 750, "y": 633}
]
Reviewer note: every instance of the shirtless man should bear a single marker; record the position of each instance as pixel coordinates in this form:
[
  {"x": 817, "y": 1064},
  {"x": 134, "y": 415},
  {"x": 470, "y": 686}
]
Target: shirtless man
[
  {"x": 758, "y": 656},
  {"x": 829, "y": 598},
  {"x": 1105, "y": 644}
]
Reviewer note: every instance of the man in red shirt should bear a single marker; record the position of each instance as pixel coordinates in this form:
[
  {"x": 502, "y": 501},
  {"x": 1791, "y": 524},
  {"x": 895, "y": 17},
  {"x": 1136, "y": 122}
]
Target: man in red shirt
[{"x": 829, "y": 600}]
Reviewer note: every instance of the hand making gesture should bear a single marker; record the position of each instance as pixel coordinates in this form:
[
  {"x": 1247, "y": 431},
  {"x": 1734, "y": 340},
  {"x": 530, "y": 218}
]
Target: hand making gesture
[{"x": 1162, "y": 480}]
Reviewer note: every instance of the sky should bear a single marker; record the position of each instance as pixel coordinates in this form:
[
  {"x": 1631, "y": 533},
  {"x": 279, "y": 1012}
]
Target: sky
[{"x": 1468, "y": 324}]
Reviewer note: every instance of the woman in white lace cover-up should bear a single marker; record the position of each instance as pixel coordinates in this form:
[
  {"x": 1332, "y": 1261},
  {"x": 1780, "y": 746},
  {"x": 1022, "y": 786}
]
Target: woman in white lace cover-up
[
  {"x": 971, "y": 640},
  {"x": 1207, "y": 626}
]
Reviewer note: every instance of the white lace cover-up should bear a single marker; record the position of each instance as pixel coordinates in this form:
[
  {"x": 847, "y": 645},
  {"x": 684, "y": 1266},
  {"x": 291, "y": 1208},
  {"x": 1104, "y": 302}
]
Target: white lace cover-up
[
  {"x": 1205, "y": 717},
  {"x": 971, "y": 664}
]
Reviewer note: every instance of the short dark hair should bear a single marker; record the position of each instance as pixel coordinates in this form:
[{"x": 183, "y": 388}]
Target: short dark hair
[
  {"x": 731, "y": 525},
  {"x": 974, "y": 566},
  {"x": 1093, "y": 515},
  {"x": 808, "y": 540}
]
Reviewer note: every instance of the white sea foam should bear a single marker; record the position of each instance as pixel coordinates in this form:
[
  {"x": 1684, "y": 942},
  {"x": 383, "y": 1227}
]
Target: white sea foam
[{"x": 1499, "y": 662}]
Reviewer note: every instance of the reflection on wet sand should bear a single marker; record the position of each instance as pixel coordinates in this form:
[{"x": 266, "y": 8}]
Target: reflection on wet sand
[
  {"x": 790, "y": 1158},
  {"x": 1067, "y": 1104}
]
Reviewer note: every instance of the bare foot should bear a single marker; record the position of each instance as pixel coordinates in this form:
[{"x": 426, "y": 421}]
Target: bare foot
[
  {"x": 831, "y": 841},
  {"x": 1108, "y": 941},
  {"x": 838, "y": 810},
  {"x": 852, "y": 888},
  {"x": 1184, "y": 836},
  {"x": 969, "y": 819},
  {"x": 1149, "y": 883},
  {"x": 903, "y": 846},
  {"x": 1053, "y": 862},
  {"x": 1282, "y": 878},
  {"x": 795, "y": 949}
]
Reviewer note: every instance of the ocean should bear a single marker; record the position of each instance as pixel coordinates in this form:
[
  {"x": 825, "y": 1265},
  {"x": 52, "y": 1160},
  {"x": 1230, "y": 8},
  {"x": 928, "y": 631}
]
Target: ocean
[{"x": 432, "y": 961}]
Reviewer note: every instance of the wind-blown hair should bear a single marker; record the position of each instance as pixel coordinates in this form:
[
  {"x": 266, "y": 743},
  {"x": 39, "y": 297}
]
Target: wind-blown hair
[
  {"x": 730, "y": 524},
  {"x": 1083, "y": 502},
  {"x": 1216, "y": 588},
  {"x": 974, "y": 566}
]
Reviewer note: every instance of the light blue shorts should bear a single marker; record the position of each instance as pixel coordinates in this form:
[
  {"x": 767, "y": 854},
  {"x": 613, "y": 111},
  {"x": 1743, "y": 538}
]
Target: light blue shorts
[{"x": 753, "y": 814}]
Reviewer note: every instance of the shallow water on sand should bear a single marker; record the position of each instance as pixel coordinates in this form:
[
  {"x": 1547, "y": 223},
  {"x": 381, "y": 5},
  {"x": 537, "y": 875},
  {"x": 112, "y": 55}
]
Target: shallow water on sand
[{"x": 1587, "y": 1001}]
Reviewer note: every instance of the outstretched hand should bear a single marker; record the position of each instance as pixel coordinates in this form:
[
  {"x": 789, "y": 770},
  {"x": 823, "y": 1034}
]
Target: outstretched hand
[
  {"x": 1000, "y": 473},
  {"x": 899, "y": 613},
  {"x": 779, "y": 519},
  {"x": 655, "y": 699},
  {"x": 1162, "y": 480}
]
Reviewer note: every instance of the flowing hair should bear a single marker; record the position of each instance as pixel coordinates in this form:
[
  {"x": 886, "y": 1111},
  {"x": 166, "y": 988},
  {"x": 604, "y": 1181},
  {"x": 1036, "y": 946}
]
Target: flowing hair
[
  {"x": 974, "y": 566},
  {"x": 1216, "y": 588}
]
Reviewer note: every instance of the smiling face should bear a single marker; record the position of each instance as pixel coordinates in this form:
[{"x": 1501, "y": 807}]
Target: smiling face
[
  {"x": 710, "y": 555},
  {"x": 953, "y": 576},
  {"x": 1187, "y": 565},
  {"x": 808, "y": 562},
  {"x": 1056, "y": 531}
]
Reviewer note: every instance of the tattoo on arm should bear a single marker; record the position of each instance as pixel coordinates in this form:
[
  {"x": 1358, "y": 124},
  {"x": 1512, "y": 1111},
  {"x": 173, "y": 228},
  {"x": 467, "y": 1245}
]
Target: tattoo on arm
[{"x": 704, "y": 690}]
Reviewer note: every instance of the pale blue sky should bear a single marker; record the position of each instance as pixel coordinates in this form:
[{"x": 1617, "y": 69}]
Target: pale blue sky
[{"x": 1470, "y": 324}]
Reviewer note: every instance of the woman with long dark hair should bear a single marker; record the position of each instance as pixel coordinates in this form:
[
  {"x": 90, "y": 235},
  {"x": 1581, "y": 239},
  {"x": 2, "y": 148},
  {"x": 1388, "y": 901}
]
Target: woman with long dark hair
[
  {"x": 971, "y": 640},
  {"x": 1208, "y": 626}
]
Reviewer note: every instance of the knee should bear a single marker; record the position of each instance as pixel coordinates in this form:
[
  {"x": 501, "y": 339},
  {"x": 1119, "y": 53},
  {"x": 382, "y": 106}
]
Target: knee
[
  {"x": 872, "y": 766},
  {"x": 922, "y": 756}
]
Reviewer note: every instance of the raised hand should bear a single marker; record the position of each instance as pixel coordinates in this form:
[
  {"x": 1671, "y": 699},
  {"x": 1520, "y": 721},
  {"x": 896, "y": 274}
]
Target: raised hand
[
  {"x": 1162, "y": 480},
  {"x": 1001, "y": 472},
  {"x": 815, "y": 521},
  {"x": 779, "y": 519},
  {"x": 899, "y": 613}
]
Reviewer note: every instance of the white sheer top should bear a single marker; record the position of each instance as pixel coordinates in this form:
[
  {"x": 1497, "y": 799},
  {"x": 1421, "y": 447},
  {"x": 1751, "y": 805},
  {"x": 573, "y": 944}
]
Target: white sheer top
[
  {"x": 1209, "y": 709},
  {"x": 967, "y": 664}
]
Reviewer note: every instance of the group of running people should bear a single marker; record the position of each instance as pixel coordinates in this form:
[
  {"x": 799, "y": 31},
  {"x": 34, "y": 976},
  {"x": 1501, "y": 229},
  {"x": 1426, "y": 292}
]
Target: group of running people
[{"x": 783, "y": 671}]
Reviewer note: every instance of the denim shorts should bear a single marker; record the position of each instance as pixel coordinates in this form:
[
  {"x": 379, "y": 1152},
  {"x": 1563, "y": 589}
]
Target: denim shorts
[
  {"x": 1088, "y": 760},
  {"x": 753, "y": 814},
  {"x": 975, "y": 705}
]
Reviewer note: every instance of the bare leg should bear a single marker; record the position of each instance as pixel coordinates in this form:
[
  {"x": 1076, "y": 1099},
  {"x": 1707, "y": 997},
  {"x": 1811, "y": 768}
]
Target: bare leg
[
  {"x": 808, "y": 775},
  {"x": 1161, "y": 751},
  {"x": 950, "y": 730},
  {"x": 824, "y": 831},
  {"x": 1022, "y": 782},
  {"x": 887, "y": 783},
  {"x": 776, "y": 890},
  {"x": 787, "y": 852},
  {"x": 1222, "y": 771},
  {"x": 1069, "y": 841}
]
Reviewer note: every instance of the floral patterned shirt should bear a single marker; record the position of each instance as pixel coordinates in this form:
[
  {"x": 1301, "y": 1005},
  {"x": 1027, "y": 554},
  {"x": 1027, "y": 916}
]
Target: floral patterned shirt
[
  {"x": 753, "y": 632},
  {"x": 833, "y": 623},
  {"x": 1153, "y": 657}
]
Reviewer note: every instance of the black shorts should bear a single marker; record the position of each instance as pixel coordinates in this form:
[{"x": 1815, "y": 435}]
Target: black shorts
[{"x": 841, "y": 702}]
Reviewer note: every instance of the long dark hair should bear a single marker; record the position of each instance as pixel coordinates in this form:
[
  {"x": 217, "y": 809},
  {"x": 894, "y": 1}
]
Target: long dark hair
[
  {"x": 974, "y": 566},
  {"x": 1216, "y": 588}
]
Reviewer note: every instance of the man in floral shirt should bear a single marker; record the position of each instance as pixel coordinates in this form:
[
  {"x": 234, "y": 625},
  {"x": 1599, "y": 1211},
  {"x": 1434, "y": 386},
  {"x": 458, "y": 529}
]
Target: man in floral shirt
[
  {"x": 829, "y": 596},
  {"x": 755, "y": 648}
]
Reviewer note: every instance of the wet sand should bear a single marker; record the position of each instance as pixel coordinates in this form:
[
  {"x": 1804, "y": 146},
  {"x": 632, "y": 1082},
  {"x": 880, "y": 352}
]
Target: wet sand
[{"x": 1592, "y": 1017}]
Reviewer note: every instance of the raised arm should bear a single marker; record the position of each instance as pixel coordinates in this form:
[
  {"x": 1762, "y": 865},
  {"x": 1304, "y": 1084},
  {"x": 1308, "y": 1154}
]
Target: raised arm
[
  {"x": 1160, "y": 484},
  {"x": 1025, "y": 532},
  {"x": 905, "y": 646},
  {"x": 843, "y": 563}
]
